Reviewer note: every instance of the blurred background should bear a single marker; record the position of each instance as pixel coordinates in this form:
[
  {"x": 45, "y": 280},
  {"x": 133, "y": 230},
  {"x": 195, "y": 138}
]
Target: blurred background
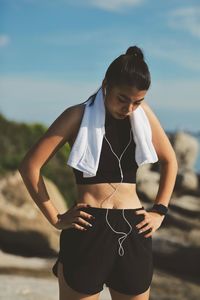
[{"x": 54, "y": 54}]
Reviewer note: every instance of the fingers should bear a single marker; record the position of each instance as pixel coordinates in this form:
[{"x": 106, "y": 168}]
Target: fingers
[
  {"x": 148, "y": 227},
  {"x": 146, "y": 221},
  {"x": 141, "y": 212},
  {"x": 78, "y": 227},
  {"x": 78, "y": 221},
  {"x": 86, "y": 215},
  {"x": 148, "y": 235},
  {"x": 149, "y": 224},
  {"x": 81, "y": 221},
  {"x": 83, "y": 213},
  {"x": 79, "y": 205},
  {"x": 142, "y": 223}
]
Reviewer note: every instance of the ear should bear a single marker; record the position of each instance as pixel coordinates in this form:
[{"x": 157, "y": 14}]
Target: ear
[
  {"x": 104, "y": 87},
  {"x": 104, "y": 83}
]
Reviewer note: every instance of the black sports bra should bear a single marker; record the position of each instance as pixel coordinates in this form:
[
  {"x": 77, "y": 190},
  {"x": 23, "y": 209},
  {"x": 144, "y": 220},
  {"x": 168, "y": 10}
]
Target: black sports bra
[{"x": 118, "y": 132}]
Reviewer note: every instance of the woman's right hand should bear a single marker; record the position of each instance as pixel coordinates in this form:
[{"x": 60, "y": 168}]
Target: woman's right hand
[{"x": 74, "y": 218}]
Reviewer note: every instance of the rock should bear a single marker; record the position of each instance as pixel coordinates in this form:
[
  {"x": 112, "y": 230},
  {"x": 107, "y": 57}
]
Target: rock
[
  {"x": 181, "y": 220},
  {"x": 195, "y": 237},
  {"x": 186, "y": 148},
  {"x": 188, "y": 205},
  {"x": 176, "y": 243},
  {"x": 190, "y": 181},
  {"x": 174, "y": 250},
  {"x": 16, "y": 264},
  {"x": 24, "y": 229},
  {"x": 167, "y": 286},
  {"x": 187, "y": 182},
  {"x": 147, "y": 182}
]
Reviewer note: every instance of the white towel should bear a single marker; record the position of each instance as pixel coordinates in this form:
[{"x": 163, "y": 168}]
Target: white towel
[{"x": 86, "y": 150}]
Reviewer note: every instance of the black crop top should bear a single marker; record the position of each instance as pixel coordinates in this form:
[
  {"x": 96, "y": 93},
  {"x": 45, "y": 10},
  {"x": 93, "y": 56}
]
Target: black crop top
[{"x": 117, "y": 131}]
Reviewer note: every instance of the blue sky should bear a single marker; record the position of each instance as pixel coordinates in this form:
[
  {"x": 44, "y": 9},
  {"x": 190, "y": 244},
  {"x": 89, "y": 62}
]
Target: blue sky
[{"x": 54, "y": 54}]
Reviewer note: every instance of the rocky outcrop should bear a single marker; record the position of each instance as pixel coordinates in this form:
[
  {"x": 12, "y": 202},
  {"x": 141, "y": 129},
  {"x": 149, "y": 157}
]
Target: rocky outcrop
[
  {"x": 186, "y": 147},
  {"x": 187, "y": 182},
  {"x": 147, "y": 183},
  {"x": 23, "y": 228},
  {"x": 188, "y": 206},
  {"x": 177, "y": 250}
]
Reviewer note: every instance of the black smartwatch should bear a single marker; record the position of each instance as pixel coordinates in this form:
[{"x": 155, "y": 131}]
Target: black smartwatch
[{"x": 159, "y": 208}]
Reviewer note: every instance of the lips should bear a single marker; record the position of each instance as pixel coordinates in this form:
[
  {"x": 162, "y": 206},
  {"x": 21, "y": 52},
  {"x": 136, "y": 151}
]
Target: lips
[{"x": 123, "y": 116}]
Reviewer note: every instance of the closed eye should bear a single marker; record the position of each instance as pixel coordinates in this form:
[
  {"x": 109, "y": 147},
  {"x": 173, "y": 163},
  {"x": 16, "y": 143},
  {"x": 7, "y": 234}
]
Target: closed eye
[
  {"x": 121, "y": 100},
  {"x": 125, "y": 101}
]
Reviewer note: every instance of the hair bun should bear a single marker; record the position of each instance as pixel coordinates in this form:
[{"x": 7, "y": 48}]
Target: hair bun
[{"x": 135, "y": 51}]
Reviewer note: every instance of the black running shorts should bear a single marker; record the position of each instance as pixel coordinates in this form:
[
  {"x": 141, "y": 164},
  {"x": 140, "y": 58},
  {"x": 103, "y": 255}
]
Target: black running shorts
[{"x": 111, "y": 252}]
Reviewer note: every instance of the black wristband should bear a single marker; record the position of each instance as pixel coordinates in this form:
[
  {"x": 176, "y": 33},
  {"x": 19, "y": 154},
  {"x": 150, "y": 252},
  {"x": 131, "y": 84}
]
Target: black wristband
[{"x": 159, "y": 208}]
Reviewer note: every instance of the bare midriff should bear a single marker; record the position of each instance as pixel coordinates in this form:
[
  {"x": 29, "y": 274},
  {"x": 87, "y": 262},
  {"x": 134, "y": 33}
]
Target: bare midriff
[{"x": 97, "y": 195}]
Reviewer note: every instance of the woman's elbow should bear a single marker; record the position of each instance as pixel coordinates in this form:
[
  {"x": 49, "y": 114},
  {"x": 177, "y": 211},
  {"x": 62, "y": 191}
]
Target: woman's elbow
[
  {"x": 26, "y": 166},
  {"x": 170, "y": 159}
]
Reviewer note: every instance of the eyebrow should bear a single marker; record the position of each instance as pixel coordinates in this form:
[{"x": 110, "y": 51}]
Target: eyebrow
[{"x": 130, "y": 99}]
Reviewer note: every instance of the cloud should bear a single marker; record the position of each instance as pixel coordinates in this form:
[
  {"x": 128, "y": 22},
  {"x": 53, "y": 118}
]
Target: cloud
[
  {"x": 186, "y": 18},
  {"x": 175, "y": 51},
  {"x": 4, "y": 40},
  {"x": 114, "y": 5}
]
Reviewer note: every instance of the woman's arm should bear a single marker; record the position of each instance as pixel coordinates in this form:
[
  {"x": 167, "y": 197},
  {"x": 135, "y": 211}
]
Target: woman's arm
[
  {"x": 166, "y": 155},
  {"x": 60, "y": 132},
  {"x": 169, "y": 167}
]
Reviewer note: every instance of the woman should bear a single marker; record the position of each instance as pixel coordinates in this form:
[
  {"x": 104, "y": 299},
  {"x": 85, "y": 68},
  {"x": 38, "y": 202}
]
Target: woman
[{"x": 91, "y": 254}]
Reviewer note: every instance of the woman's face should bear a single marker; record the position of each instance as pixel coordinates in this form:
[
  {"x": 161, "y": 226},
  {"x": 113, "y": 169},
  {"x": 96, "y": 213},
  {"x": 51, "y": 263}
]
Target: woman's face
[{"x": 122, "y": 100}]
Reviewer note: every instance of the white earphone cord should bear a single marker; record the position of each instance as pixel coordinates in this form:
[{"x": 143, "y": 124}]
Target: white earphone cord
[{"x": 122, "y": 238}]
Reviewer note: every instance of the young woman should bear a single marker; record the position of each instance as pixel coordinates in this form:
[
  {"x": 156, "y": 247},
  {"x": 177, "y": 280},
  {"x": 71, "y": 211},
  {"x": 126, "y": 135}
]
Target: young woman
[{"x": 108, "y": 211}]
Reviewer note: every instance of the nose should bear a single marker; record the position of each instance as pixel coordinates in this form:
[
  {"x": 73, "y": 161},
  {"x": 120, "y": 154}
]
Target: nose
[{"x": 129, "y": 108}]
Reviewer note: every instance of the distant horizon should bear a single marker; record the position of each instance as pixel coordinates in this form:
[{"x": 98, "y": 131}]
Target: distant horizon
[
  {"x": 195, "y": 132},
  {"x": 61, "y": 59}
]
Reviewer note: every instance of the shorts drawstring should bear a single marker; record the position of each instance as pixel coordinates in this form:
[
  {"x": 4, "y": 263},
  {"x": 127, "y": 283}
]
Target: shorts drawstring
[{"x": 122, "y": 238}]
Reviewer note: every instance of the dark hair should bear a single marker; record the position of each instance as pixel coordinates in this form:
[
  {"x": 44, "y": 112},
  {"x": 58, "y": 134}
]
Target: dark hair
[{"x": 128, "y": 69}]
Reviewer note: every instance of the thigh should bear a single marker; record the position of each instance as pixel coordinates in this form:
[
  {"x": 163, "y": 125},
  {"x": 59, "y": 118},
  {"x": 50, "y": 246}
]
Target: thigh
[
  {"x": 119, "y": 296},
  {"x": 66, "y": 292}
]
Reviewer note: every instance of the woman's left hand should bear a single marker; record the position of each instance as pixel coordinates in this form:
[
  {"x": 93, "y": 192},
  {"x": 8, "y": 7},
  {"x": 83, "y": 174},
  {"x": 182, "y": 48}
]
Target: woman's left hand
[{"x": 153, "y": 221}]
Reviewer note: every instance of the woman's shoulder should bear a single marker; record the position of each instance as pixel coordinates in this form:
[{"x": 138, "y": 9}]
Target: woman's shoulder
[
  {"x": 74, "y": 115},
  {"x": 66, "y": 124},
  {"x": 75, "y": 112},
  {"x": 62, "y": 130},
  {"x": 152, "y": 117}
]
